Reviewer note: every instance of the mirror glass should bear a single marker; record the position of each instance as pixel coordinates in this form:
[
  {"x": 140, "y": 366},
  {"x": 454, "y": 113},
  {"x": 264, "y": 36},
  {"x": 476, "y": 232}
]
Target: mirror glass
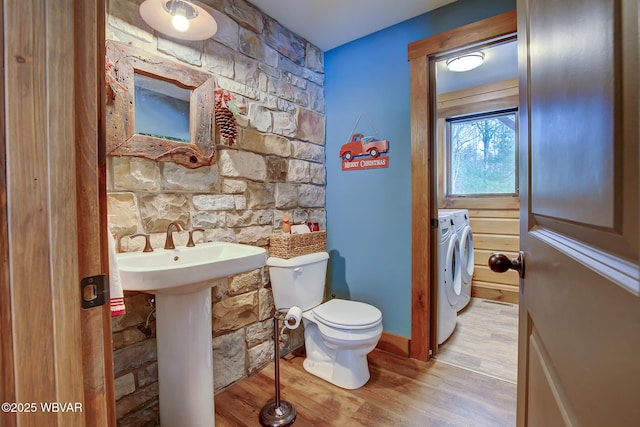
[{"x": 161, "y": 109}]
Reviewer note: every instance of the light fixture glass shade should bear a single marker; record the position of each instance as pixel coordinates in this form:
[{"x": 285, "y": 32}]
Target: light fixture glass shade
[
  {"x": 465, "y": 62},
  {"x": 200, "y": 25}
]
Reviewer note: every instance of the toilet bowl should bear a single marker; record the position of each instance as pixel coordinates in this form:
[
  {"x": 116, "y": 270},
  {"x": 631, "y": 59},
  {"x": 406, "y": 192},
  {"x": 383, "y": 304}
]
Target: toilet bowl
[
  {"x": 338, "y": 352},
  {"x": 339, "y": 333}
]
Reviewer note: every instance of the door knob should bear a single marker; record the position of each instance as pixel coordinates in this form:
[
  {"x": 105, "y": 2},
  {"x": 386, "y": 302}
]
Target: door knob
[{"x": 500, "y": 263}]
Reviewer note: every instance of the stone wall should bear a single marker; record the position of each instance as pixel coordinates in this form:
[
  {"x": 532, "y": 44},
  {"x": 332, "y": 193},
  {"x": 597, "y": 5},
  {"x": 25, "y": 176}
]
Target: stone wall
[{"x": 275, "y": 168}]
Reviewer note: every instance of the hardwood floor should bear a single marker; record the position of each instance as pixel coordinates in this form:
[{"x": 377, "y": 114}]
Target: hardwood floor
[
  {"x": 485, "y": 340},
  {"x": 401, "y": 392},
  {"x": 472, "y": 383}
]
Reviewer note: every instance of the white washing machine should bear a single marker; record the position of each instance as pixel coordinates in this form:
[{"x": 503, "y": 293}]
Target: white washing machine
[
  {"x": 467, "y": 259},
  {"x": 449, "y": 277}
]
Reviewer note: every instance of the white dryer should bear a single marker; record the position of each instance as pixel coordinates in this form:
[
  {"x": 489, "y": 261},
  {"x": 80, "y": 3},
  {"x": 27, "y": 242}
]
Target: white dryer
[
  {"x": 467, "y": 259},
  {"x": 449, "y": 277}
]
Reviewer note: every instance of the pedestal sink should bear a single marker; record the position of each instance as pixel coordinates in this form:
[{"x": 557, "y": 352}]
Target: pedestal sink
[{"x": 180, "y": 279}]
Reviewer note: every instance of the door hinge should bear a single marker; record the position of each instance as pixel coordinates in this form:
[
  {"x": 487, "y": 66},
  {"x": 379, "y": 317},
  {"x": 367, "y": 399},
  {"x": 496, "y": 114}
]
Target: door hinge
[
  {"x": 434, "y": 222},
  {"x": 94, "y": 291}
]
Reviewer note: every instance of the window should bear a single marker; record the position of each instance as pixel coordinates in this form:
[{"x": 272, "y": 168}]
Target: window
[{"x": 482, "y": 154}]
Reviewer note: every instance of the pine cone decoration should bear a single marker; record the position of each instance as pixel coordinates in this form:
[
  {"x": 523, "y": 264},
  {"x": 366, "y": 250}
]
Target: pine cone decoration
[
  {"x": 225, "y": 109},
  {"x": 225, "y": 121}
]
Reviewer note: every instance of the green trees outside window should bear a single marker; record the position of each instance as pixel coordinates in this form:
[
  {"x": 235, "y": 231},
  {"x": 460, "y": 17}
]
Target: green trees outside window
[{"x": 482, "y": 154}]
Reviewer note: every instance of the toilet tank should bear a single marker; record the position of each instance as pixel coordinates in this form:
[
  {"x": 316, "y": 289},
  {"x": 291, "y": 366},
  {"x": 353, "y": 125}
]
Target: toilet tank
[{"x": 298, "y": 281}]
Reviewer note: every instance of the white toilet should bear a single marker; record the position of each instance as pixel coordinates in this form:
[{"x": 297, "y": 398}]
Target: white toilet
[{"x": 338, "y": 334}]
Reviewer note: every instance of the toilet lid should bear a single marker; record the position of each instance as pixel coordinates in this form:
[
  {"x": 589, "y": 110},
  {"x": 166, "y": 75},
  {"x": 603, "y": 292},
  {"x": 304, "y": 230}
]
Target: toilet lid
[{"x": 346, "y": 314}]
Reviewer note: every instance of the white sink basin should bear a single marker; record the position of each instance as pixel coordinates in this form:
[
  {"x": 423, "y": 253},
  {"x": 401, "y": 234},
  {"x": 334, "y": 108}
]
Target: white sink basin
[
  {"x": 184, "y": 269},
  {"x": 180, "y": 278}
]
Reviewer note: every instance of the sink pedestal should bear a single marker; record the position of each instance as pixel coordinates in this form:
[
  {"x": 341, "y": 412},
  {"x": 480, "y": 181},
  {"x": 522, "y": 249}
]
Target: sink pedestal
[
  {"x": 185, "y": 359},
  {"x": 181, "y": 281}
]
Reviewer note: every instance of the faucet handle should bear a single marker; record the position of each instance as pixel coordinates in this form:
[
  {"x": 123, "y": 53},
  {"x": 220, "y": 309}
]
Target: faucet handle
[
  {"x": 147, "y": 241},
  {"x": 168, "y": 243},
  {"x": 191, "y": 243}
]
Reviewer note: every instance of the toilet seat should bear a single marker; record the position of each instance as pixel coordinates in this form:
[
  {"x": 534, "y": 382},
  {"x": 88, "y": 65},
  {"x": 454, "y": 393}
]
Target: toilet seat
[
  {"x": 345, "y": 314},
  {"x": 350, "y": 337}
]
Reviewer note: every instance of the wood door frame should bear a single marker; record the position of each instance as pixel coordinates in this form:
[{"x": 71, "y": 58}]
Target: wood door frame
[
  {"x": 52, "y": 213},
  {"x": 422, "y": 55},
  {"x": 97, "y": 338}
]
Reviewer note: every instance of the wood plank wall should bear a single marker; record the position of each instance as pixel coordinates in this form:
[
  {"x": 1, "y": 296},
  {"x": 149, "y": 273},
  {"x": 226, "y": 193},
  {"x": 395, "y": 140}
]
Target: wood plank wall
[
  {"x": 495, "y": 231},
  {"x": 495, "y": 221}
]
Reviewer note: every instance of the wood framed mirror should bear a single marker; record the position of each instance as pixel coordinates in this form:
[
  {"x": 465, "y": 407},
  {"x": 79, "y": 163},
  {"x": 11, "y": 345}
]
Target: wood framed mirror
[{"x": 190, "y": 91}]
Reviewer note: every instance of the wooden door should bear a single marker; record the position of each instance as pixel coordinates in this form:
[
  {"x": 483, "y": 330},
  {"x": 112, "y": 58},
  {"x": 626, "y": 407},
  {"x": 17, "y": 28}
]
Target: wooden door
[
  {"x": 579, "y": 348},
  {"x": 50, "y": 215}
]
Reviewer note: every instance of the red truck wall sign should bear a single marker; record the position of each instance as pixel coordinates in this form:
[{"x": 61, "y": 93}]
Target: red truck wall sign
[{"x": 353, "y": 153}]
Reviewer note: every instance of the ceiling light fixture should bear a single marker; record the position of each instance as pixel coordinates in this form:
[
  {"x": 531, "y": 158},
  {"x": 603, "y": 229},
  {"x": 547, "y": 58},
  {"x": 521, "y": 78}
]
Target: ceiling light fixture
[
  {"x": 465, "y": 62},
  {"x": 180, "y": 19}
]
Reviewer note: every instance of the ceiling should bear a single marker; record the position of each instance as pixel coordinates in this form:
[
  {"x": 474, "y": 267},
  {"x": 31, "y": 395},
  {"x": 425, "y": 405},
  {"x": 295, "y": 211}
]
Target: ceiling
[
  {"x": 331, "y": 23},
  {"x": 500, "y": 63}
]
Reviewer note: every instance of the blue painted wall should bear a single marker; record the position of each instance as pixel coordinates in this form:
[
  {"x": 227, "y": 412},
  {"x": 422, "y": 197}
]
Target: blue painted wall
[{"x": 369, "y": 211}]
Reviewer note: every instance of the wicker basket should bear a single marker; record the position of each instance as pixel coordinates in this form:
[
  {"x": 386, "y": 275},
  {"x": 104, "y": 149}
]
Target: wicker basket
[{"x": 292, "y": 245}]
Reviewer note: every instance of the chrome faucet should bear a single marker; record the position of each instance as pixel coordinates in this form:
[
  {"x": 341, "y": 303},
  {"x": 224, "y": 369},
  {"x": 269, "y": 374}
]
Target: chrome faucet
[{"x": 168, "y": 243}]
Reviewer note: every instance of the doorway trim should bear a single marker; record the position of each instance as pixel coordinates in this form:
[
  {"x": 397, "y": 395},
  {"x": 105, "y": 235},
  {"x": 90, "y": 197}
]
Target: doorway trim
[{"x": 422, "y": 55}]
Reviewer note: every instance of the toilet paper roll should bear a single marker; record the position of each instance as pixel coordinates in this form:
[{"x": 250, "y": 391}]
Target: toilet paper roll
[{"x": 293, "y": 317}]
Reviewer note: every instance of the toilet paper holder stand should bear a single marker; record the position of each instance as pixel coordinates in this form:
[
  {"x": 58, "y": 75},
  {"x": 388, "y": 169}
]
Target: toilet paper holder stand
[{"x": 279, "y": 412}]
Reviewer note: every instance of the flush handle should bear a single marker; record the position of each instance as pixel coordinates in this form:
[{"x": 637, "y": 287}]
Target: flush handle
[
  {"x": 501, "y": 263},
  {"x": 297, "y": 269}
]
